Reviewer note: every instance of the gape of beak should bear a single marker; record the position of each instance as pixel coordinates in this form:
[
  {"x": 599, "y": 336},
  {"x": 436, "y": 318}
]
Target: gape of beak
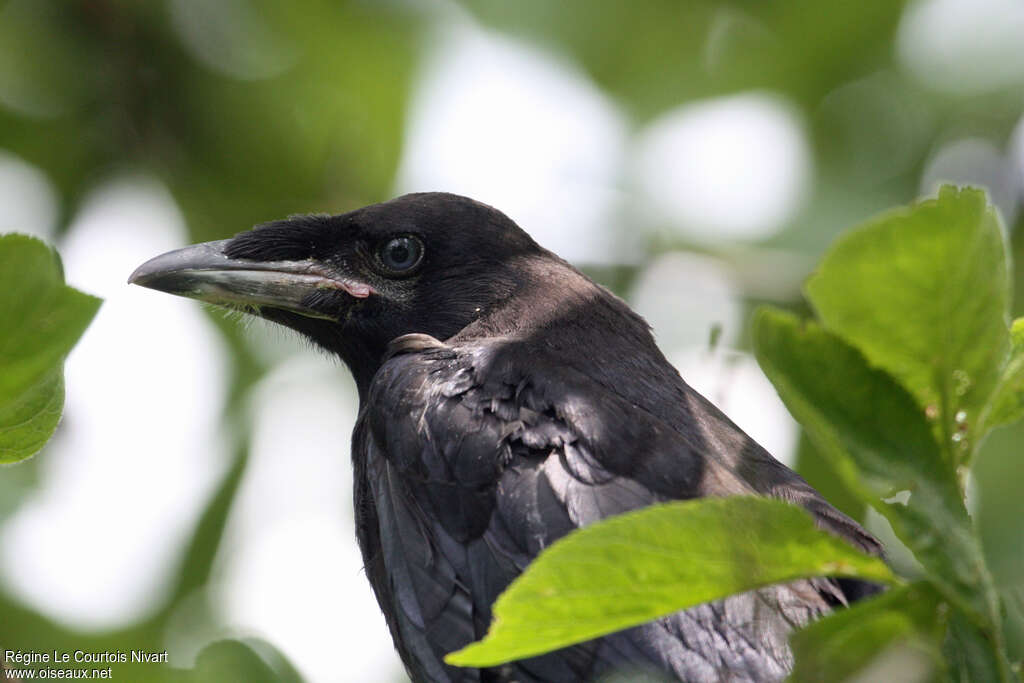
[{"x": 205, "y": 272}]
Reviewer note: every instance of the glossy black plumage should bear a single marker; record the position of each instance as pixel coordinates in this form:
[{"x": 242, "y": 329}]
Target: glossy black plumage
[{"x": 506, "y": 399}]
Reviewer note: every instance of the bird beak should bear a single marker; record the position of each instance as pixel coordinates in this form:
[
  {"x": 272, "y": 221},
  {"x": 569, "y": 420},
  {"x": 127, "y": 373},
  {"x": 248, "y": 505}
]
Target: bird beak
[{"x": 205, "y": 272}]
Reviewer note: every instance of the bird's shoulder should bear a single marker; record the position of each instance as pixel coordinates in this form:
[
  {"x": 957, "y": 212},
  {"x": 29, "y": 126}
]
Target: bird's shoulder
[
  {"x": 467, "y": 409},
  {"x": 479, "y": 404}
]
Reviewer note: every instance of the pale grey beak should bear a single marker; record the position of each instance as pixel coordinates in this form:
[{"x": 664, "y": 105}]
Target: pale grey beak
[{"x": 205, "y": 272}]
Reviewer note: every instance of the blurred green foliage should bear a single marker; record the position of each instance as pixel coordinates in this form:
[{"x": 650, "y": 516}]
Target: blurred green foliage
[
  {"x": 298, "y": 107},
  {"x": 654, "y": 55},
  {"x": 904, "y": 622}
]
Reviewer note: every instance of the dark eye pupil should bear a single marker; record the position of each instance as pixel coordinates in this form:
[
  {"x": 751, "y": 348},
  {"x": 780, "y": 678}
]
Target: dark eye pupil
[{"x": 401, "y": 253}]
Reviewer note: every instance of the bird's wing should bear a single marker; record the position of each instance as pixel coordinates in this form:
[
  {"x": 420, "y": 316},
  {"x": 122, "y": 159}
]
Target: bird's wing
[{"x": 473, "y": 465}]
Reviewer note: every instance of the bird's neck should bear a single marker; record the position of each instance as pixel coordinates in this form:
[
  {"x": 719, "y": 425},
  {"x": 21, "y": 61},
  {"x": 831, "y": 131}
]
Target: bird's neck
[
  {"x": 544, "y": 294},
  {"x": 564, "y": 317}
]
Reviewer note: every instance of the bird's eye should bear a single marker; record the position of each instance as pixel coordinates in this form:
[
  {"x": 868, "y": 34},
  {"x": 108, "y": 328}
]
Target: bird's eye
[{"x": 400, "y": 254}]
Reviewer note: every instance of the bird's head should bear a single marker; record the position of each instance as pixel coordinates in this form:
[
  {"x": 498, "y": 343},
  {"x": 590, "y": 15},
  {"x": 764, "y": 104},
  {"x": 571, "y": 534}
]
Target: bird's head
[{"x": 429, "y": 263}]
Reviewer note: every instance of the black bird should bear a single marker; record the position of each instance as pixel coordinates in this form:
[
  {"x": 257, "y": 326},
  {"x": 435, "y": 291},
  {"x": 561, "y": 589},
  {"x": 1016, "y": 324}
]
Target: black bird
[{"x": 505, "y": 400}]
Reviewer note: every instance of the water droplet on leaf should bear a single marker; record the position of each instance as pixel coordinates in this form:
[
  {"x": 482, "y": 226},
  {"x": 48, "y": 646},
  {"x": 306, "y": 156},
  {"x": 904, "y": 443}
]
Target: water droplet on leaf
[{"x": 961, "y": 382}]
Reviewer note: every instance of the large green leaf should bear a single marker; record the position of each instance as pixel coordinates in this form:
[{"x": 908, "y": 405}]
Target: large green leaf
[
  {"x": 902, "y": 624},
  {"x": 923, "y": 292},
  {"x": 43, "y": 318},
  {"x": 880, "y": 443},
  {"x": 645, "y": 564}
]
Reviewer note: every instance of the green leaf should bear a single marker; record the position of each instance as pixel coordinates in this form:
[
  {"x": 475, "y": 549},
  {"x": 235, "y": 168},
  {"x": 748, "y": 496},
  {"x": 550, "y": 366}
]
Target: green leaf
[
  {"x": 43, "y": 318},
  {"x": 642, "y": 565},
  {"x": 972, "y": 655},
  {"x": 923, "y": 292},
  {"x": 1007, "y": 402},
  {"x": 870, "y": 427},
  {"x": 1000, "y": 506},
  {"x": 901, "y": 624},
  {"x": 820, "y": 474},
  {"x": 878, "y": 441},
  {"x": 246, "y": 661},
  {"x": 29, "y": 419}
]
